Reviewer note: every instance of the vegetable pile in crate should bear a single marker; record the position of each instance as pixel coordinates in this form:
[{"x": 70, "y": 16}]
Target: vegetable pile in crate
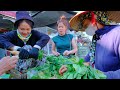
[{"x": 75, "y": 69}]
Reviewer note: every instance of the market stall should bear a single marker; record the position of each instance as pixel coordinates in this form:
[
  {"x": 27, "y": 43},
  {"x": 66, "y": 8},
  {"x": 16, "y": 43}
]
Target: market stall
[{"x": 49, "y": 65}]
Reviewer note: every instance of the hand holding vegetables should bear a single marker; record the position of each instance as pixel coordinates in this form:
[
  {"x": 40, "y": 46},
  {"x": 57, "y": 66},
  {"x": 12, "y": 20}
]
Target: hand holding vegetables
[
  {"x": 62, "y": 69},
  {"x": 56, "y": 53},
  {"x": 7, "y": 63},
  {"x": 65, "y": 68},
  {"x": 66, "y": 53},
  {"x": 86, "y": 63},
  {"x": 34, "y": 53},
  {"x": 24, "y": 54}
]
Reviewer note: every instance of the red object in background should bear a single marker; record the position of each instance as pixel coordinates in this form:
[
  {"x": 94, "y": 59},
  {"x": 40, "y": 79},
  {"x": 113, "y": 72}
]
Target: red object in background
[{"x": 11, "y": 14}]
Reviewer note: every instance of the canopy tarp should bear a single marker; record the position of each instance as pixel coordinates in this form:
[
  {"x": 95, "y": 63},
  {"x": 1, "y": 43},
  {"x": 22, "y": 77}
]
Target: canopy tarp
[
  {"x": 45, "y": 18},
  {"x": 6, "y": 24}
]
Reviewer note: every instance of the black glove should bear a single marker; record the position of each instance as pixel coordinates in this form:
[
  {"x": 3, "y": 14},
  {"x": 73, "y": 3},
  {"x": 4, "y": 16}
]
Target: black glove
[
  {"x": 34, "y": 53},
  {"x": 24, "y": 54}
]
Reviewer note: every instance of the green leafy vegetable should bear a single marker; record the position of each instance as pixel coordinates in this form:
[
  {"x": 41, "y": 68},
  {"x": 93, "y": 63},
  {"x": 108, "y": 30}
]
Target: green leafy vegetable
[{"x": 75, "y": 69}]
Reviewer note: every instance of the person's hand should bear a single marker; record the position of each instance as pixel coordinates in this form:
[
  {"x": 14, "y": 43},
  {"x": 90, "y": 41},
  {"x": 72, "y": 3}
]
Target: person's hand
[
  {"x": 62, "y": 69},
  {"x": 24, "y": 54},
  {"x": 34, "y": 52},
  {"x": 86, "y": 63},
  {"x": 66, "y": 53},
  {"x": 56, "y": 53},
  {"x": 7, "y": 63}
]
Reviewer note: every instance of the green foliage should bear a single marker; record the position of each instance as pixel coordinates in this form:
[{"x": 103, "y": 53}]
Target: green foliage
[
  {"x": 40, "y": 56},
  {"x": 75, "y": 69},
  {"x": 5, "y": 76}
]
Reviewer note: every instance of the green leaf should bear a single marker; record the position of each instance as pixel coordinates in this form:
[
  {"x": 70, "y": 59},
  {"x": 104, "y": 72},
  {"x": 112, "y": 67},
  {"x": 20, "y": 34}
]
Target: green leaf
[
  {"x": 74, "y": 59},
  {"x": 78, "y": 76},
  {"x": 70, "y": 76},
  {"x": 81, "y": 61},
  {"x": 65, "y": 75},
  {"x": 100, "y": 74},
  {"x": 68, "y": 62},
  {"x": 54, "y": 67},
  {"x": 96, "y": 75},
  {"x": 89, "y": 76},
  {"x": 76, "y": 67},
  {"x": 75, "y": 74},
  {"x": 35, "y": 77},
  {"x": 5, "y": 76},
  {"x": 91, "y": 72},
  {"x": 40, "y": 56},
  {"x": 70, "y": 68},
  {"x": 85, "y": 76},
  {"x": 82, "y": 70}
]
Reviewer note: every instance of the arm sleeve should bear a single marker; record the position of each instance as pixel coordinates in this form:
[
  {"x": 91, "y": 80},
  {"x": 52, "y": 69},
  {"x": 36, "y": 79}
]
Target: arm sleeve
[
  {"x": 6, "y": 39},
  {"x": 115, "y": 74},
  {"x": 87, "y": 58},
  {"x": 42, "y": 39}
]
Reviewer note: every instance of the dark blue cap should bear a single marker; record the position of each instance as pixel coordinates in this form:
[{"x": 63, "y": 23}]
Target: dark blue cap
[{"x": 23, "y": 15}]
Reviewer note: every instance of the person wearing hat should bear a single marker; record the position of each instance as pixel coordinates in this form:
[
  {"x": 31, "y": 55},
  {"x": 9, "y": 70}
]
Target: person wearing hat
[
  {"x": 63, "y": 43},
  {"x": 105, "y": 49},
  {"x": 24, "y": 36}
]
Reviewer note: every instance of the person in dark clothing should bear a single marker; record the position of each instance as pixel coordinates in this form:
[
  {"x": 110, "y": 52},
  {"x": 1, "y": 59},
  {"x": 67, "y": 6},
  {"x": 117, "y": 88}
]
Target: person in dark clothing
[
  {"x": 25, "y": 40},
  {"x": 24, "y": 36}
]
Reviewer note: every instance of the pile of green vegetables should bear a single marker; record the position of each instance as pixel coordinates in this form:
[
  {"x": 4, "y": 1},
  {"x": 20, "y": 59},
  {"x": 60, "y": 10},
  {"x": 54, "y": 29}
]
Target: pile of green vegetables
[{"x": 75, "y": 69}]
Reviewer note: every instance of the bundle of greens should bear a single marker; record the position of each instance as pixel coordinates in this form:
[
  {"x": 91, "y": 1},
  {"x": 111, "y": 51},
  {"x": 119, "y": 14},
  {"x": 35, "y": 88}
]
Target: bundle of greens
[
  {"x": 75, "y": 69},
  {"x": 81, "y": 71},
  {"x": 50, "y": 68}
]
